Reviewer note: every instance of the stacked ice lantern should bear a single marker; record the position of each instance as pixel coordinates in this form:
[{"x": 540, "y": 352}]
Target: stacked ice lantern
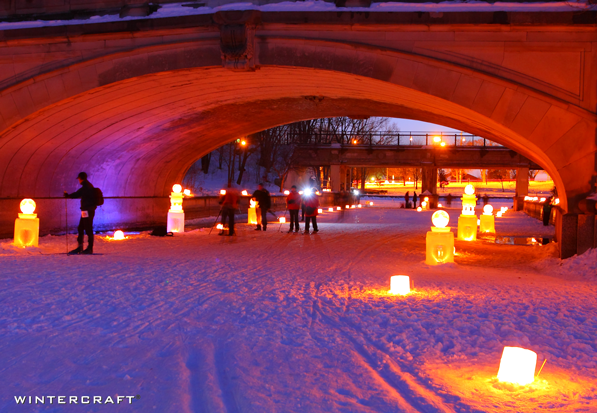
[
  {"x": 27, "y": 225},
  {"x": 175, "y": 213},
  {"x": 467, "y": 222},
  {"x": 440, "y": 240}
]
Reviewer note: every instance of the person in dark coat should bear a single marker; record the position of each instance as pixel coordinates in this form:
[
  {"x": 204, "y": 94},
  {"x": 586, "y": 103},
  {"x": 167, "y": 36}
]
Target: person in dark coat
[
  {"x": 293, "y": 203},
  {"x": 229, "y": 202},
  {"x": 311, "y": 206},
  {"x": 546, "y": 211},
  {"x": 88, "y": 206},
  {"x": 414, "y": 200},
  {"x": 406, "y": 199},
  {"x": 449, "y": 199},
  {"x": 264, "y": 203}
]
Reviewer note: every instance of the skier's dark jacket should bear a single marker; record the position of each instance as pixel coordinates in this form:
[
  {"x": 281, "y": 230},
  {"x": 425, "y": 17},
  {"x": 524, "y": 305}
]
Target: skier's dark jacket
[
  {"x": 87, "y": 195},
  {"x": 263, "y": 198}
]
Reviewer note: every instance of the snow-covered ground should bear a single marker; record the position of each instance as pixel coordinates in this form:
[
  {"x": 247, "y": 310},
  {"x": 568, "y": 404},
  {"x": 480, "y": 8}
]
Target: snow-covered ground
[{"x": 276, "y": 322}]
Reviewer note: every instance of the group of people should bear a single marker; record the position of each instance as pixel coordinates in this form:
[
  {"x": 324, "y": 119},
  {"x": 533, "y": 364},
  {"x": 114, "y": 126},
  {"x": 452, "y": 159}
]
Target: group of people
[{"x": 309, "y": 204}]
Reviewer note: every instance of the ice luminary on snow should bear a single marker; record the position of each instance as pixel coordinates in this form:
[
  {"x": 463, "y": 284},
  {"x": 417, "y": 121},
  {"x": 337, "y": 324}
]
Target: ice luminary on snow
[
  {"x": 467, "y": 222},
  {"x": 359, "y": 206},
  {"x": 244, "y": 192},
  {"x": 282, "y": 220},
  {"x": 331, "y": 209},
  {"x": 320, "y": 211},
  {"x": 187, "y": 192},
  {"x": 440, "y": 240},
  {"x": 252, "y": 212},
  {"x": 220, "y": 227},
  {"x": 287, "y": 192},
  {"x": 487, "y": 221},
  {"x": 222, "y": 192},
  {"x": 338, "y": 208},
  {"x": 419, "y": 209},
  {"x": 176, "y": 214},
  {"x": 118, "y": 235},
  {"x": 517, "y": 366},
  {"x": 399, "y": 284},
  {"x": 27, "y": 225}
]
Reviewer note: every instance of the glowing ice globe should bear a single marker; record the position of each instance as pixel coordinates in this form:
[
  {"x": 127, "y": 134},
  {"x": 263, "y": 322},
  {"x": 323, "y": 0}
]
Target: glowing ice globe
[
  {"x": 27, "y": 206},
  {"x": 177, "y": 188},
  {"x": 469, "y": 189},
  {"x": 487, "y": 209},
  {"x": 440, "y": 219},
  {"x": 119, "y": 235}
]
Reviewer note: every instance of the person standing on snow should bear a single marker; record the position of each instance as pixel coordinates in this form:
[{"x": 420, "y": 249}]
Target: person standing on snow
[
  {"x": 414, "y": 200},
  {"x": 546, "y": 211},
  {"x": 264, "y": 201},
  {"x": 293, "y": 204},
  {"x": 229, "y": 202},
  {"x": 406, "y": 199},
  {"x": 88, "y": 206},
  {"x": 311, "y": 205}
]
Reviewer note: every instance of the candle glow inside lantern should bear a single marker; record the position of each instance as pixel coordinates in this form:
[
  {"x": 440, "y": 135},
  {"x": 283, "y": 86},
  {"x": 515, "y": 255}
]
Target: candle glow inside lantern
[
  {"x": 282, "y": 220},
  {"x": 359, "y": 206},
  {"x": 399, "y": 284},
  {"x": 118, "y": 236},
  {"x": 440, "y": 240},
  {"x": 331, "y": 209},
  {"x": 252, "y": 212},
  {"x": 347, "y": 206},
  {"x": 244, "y": 192},
  {"x": 287, "y": 192},
  {"x": 220, "y": 227},
  {"x": 320, "y": 211},
  {"x": 27, "y": 225},
  {"x": 338, "y": 208},
  {"x": 419, "y": 209},
  {"x": 187, "y": 192},
  {"x": 499, "y": 214},
  {"x": 370, "y": 203},
  {"x": 467, "y": 222},
  {"x": 517, "y": 366},
  {"x": 222, "y": 192},
  {"x": 487, "y": 220},
  {"x": 176, "y": 214}
]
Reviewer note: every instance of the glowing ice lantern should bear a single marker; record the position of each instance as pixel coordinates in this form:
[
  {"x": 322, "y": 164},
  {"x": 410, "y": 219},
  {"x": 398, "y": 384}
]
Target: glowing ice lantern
[
  {"x": 222, "y": 192},
  {"x": 27, "y": 225},
  {"x": 440, "y": 240},
  {"x": 252, "y": 212},
  {"x": 338, "y": 208},
  {"x": 331, "y": 209},
  {"x": 487, "y": 220},
  {"x": 287, "y": 192},
  {"x": 187, "y": 192},
  {"x": 118, "y": 236},
  {"x": 419, "y": 209},
  {"x": 439, "y": 205},
  {"x": 176, "y": 214},
  {"x": 320, "y": 211},
  {"x": 499, "y": 214},
  {"x": 347, "y": 206},
  {"x": 352, "y": 207},
  {"x": 359, "y": 206},
  {"x": 517, "y": 366},
  {"x": 282, "y": 220},
  {"x": 244, "y": 192},
  {"x": 399, "y": 284},
  {"x": 370, "y": 203},
  {"x": 220, "y": 227},
  {"x": 467, "y": 222}
]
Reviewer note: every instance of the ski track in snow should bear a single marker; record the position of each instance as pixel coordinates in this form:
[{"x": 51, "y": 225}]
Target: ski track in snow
[{"x": 270, "y": 321}]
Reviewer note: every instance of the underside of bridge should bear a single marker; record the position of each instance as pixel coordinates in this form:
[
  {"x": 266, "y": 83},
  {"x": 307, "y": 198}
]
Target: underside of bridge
[{"x": 136, "y": 108}]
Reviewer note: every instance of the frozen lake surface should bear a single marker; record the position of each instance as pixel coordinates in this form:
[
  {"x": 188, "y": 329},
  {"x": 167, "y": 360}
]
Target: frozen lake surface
[{"x": 276, "y": 322}]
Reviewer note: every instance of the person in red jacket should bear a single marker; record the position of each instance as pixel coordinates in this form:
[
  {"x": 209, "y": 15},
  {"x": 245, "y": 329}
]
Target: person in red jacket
[
  {"x": 293, "y": 203},
  {"x": 311, "y": 205}
]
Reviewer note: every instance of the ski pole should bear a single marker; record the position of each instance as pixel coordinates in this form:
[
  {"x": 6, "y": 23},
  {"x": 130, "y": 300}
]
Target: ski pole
[
  {"x": 66, "y": 222},
  {"x": 214, "y": 224}
]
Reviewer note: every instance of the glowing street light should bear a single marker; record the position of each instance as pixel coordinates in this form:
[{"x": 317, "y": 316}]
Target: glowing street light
[
  {"x": 517, "y": 365},
  {"x": 439, "y": 243},
  {"x": 399, "y": 284},
  {"x": 27, "y": 225}
]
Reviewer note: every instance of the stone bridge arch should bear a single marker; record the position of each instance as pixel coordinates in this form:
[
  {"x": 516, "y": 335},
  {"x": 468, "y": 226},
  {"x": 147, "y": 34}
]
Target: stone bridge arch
[{"x": 136, "y": 119}]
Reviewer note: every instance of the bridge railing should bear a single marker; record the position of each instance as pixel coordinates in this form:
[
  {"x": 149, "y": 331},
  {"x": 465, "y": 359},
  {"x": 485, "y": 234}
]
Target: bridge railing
[{"x": 381, "y": 138}]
